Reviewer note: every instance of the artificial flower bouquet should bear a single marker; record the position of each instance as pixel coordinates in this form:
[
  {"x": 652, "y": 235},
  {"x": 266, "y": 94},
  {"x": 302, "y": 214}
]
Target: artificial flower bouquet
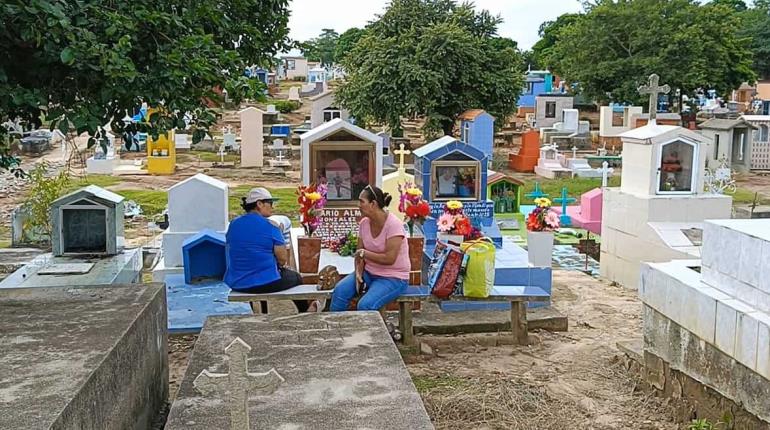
[
  {"x": 415, "y": 209},
  {"x": 543, "y": 217},
  {"x": 454, "y": 221},
  {"x": 345, "y": 245},
  {"x": 311, "y": 199}
]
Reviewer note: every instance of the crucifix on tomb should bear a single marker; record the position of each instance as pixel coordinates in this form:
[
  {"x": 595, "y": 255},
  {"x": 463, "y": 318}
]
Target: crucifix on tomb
[
  {"x": 564, "y": 200},
  {"x": 238, "y": 383},
  {"x": 537, "y": 193},
  {"x": 401, "y": 152},
  {"x": 653, "y": 89},
  {"x": 605, "y": 172}
]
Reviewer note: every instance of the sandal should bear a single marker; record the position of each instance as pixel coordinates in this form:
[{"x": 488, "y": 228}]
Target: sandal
[{"x": 317, "y": 306}]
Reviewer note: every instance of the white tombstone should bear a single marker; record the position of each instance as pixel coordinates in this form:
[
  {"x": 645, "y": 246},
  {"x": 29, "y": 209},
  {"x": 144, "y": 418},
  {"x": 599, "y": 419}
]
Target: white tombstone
[
  {"x": 571, "y": 119},
  {"x": 181, "y": 141},
  {"x": 195, "y": 204},
  {"x": 294, "y": 94},
  {"x": 228, "y": 138},
  {"x": 252, "y": 138}
]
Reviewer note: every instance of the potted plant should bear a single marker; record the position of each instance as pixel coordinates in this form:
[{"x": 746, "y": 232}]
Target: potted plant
[
  {"x": 416, "y": 210},
  {"x": 454, "y": 226},
  {"x": 541, "y": 223},
  {"x": 311, "y": 199}
]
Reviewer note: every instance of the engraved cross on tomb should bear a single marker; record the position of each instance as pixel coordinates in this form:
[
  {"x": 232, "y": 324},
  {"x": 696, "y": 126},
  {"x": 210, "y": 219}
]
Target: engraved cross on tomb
[
  {"x": 653, "y": 89},
  {"x": 238, "y": 383}
]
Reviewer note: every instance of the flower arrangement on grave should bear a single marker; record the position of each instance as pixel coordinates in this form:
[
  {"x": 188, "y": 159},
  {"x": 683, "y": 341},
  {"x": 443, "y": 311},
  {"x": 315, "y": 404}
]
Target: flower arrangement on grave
[
  {"x": 345, "y": 245},
  {"x": 311, "y": 199},
  {"x": 415, "y": 209},
  {"x": 543, "y": 217},
  {"x": 454, "y": 221}
]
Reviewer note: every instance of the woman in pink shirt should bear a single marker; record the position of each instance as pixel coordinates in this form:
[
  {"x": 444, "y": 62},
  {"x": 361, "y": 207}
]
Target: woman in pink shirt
[{"x": 382, "y": 258}]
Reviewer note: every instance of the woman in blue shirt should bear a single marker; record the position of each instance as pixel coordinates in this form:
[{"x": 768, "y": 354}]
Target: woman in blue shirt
[{"x": 256, "y": 251}]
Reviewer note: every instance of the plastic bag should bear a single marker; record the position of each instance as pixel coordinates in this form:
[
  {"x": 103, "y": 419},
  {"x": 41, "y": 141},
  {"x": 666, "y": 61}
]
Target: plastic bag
[
  {"x": 444, "y": 271},
  {"x": 480, "y": 271}
]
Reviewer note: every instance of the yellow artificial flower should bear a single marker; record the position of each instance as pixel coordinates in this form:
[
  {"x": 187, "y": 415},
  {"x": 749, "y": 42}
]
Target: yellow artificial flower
[
  {"x": 454, "y": 204},
  {"x": 313, "y": 196},
  {"x": 543, "y": 202},
  {"x": 414, "y": 192}
]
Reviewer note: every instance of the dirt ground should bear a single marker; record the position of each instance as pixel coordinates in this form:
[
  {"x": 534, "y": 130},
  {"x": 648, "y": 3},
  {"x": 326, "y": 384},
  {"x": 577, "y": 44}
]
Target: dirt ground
[{"x": 575, "y": 379}]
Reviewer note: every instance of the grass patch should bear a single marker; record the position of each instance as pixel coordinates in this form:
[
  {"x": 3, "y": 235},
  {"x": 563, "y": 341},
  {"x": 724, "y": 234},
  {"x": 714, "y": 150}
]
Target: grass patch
[
  {"x": 211, "y": 157},
  {"x": 429, "y": 383},
  {"x": 575, "y": 187},
  {"x": 103, "y": 181},
  {"x": 152, "y": 201},
  {"x": 745, "y": 196}
]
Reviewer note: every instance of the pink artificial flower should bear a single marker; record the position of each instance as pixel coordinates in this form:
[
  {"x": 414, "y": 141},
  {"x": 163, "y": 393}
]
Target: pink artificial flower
[
  {"x": 445, "y": 222},
  {"x": 552, "y": 220}
]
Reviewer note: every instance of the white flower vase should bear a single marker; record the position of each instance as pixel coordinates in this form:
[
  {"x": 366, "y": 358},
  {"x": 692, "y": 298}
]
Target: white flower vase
[
  {"x": 539, "y": 248},
  {"x": 454, "y": 238}
]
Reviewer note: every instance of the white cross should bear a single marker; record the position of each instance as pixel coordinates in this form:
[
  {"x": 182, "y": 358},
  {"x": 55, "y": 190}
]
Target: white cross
[
  {"x": 222, "y": 153},
  {"x": 605, "y": 170},
  {"x": 238, "y": 383},
  {"x": 653, "y": 89},
  {"x": 401, "y": 152},
  {"x": 574, "y": 152}
]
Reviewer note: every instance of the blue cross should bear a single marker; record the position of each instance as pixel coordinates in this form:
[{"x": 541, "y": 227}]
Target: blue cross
[
  {"x": 537, "y": 193},
  {"x": 564, "y": 219}
]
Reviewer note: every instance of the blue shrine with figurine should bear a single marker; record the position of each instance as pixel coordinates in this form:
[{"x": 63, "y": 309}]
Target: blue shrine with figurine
[{"x": 457, "y": 169}]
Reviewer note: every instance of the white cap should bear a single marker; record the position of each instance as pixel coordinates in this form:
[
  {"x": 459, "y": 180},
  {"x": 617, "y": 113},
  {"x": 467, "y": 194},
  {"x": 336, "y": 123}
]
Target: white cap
[{"x": 259, "y": 194}]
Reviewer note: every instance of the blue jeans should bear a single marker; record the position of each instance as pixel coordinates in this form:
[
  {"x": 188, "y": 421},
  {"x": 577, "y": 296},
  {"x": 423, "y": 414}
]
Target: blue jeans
[{"x": 380, "y": 292}]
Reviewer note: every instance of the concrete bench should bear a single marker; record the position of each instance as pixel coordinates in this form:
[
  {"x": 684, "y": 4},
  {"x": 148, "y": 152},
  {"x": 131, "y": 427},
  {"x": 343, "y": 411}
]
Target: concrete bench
[{"x": 517, "y": 296}]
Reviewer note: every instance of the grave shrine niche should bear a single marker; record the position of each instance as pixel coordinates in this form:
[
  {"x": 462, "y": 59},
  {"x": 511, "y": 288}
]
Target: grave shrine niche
[
  {"x": 88, "y": 221},
  {"x": 346, "y": 158},
  {"x": 505, "y": 192},
  {"x": 456, "y": 177},
  {"x": 677, "y": 167}
]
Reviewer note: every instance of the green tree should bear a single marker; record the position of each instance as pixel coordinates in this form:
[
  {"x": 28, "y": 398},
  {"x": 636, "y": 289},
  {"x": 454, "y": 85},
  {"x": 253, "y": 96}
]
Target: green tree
[
  {"x": 322, "y": 48},
  {"x": 549, "y": 34},
  {"x": 756, "y": 27},
  {"x": 84, "y": 64},
  {"x": 433, "y": 59},
  {"x": 617, "y": 44},
  {"x": 346, "y": 42}
]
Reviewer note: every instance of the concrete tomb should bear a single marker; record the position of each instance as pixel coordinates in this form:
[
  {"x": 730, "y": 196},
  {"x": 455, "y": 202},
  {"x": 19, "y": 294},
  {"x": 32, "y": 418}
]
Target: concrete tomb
[
  {"x": 529, "y": 153},
  {"x": 614, "y": 121},
  {"x": 549, "y": 108},
  {"x": 714, "y": 324},
  {"x": 195, "y": 204},
  {"x": 204, "y": 256},
  {"x": 551, "y": 163},
  {"x": 181, "y": 141},
  {"x": 104, "y": 161},
  {"x": 760, "y": 148},
  {"x": 252, "y": 138},
  {"x": 324, "y": 109},
  {"x": 588, "y": 214},
  {"x": 332, "y": 370},
  {"x": 161, "y": 154},
  {"x": 347, "y": 158},
  {"x": 662, "y": 183},
  {"x": 731, "y": 140},
  {"x": 89, "y": 358},
  {"x": 391, "y": 181}
]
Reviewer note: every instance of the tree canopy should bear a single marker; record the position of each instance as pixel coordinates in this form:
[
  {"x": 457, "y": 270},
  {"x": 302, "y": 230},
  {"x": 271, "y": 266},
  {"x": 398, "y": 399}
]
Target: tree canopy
[
  {"x": 322, "y": 48},
  {"x": 433, "y": 59},
  {"x": 615, "y": 45},
  {"x": 755, "y": 26},
  {"x": 549, "y": 35},
  {"x": 87, "y": 63},
  {"x": 346, "y": 42}
]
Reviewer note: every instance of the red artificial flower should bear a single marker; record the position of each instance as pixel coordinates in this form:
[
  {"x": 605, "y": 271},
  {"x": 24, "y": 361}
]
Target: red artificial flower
[
  {"x": 463, "y": 226},
  {"x": 532, "y": 222},
  {"x": 411, "y": 211},
  {"x": 423, "y": 209}
]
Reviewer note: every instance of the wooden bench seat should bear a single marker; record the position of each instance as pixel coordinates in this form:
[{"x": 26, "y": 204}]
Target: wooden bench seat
[{"x": 517, "y": 296}]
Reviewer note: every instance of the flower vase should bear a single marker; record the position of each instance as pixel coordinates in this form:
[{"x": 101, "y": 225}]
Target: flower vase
[
  {"x": 454, "y": 238},
  {"x": 539, "y": 248},
  {"x": 416, "y": 248},
  {"x": 309, "y": 252}
]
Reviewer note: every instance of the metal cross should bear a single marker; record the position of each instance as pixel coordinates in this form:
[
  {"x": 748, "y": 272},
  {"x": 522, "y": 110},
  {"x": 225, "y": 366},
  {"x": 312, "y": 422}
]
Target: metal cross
[
  {"x": 537, "y": 193},
  {"x": 401, "y": 152},
  {"x": 653, "y": 89},
  {"x": 238, "y": 383},
  {"x": 564, "y": 219}
]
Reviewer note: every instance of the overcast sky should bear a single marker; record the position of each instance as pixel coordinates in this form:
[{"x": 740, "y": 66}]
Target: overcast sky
[{"x": 521, "y": 18}]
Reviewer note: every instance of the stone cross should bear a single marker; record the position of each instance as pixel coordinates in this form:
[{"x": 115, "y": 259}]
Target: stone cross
[
  {"x": 238, "y": 383},
  {"x": 401, "y": 152},
  {"x": 653, "y": 89},
  {"x": 605, "y": 171},
  {"x": 564, "y": 200},
  {"x": 222, "y": 153},
  {"x": 574, "y": 152}
]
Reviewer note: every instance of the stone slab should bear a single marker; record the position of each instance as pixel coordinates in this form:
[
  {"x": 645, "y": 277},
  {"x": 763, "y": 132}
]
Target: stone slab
[
  {"x": 66, "y": 269},
  {"x": 340, "y": 370},
  {"x": 123, "y": 268},
  {"x": 82, "y": 357},
  {"x": 190, "y": 304}
]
